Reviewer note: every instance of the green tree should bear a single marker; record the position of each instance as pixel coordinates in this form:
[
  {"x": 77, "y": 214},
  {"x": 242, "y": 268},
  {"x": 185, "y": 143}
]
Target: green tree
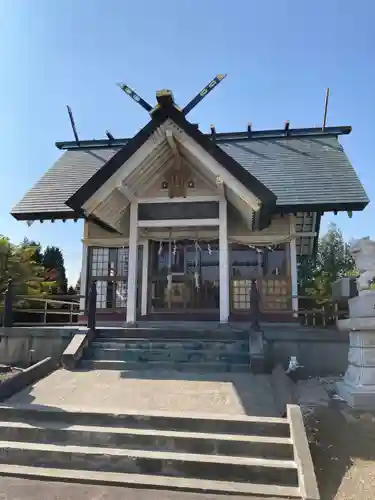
[
  {"x": 333, "y": 261},
  {"x": 38, "y": 255},
  {"x": 53, "y": 262},
  {"x": 19, "y": 262},
  {"x": 333, "y": 255}
]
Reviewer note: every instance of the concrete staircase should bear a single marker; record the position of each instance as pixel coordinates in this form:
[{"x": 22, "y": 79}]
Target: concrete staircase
[
  {"x": 244, "y": 455},
  {"x": 176, "y": 348}
]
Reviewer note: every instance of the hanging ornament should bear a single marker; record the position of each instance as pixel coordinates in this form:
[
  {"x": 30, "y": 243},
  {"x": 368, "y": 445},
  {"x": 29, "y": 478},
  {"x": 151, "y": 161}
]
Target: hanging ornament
[
  {"x": 174, "y": 250},
  {"x": 196, "y": 273},
  {"x": 160, "y": 251},
  {"x": 196, "y": 280},
  {"x": 169, "y": 281},
  {"x": 209, "y": 249}
]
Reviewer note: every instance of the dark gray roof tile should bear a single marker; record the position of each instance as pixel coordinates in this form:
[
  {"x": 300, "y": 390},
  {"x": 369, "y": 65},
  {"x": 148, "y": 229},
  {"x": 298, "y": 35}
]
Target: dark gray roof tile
[
  {"x": 308, "y": 170},
  {"x": 305, "y": 170},
  {"x": 62, "y": 180}
]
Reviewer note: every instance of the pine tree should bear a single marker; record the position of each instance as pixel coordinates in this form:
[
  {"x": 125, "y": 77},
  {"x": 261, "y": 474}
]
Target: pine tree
[{"x": 53, "y": 262}]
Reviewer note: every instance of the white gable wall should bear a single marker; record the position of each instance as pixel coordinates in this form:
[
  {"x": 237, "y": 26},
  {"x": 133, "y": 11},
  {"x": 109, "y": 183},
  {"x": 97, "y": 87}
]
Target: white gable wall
[{"x": 149, "y": 163}]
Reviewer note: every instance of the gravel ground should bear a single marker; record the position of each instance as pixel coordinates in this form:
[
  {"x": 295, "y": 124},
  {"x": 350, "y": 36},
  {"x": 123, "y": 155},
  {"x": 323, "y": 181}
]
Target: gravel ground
[{"x": 343, "y": 450}]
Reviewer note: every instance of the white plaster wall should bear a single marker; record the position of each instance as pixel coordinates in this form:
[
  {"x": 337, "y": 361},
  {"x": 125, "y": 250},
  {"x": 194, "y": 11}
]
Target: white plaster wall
[{"x": 201, "y": 188}]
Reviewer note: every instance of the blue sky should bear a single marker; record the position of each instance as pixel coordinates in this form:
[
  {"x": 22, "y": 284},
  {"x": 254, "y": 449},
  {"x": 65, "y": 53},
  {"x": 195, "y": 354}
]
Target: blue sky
[{"x": 279, "y": 57}]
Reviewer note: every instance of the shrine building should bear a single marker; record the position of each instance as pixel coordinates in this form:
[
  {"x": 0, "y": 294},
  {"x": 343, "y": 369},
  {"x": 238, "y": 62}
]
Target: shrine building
[{"x": 177, "y": 222}]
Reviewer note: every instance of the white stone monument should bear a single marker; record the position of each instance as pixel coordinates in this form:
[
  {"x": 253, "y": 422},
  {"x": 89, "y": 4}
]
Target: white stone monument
[{"x": 358, "y": 385}]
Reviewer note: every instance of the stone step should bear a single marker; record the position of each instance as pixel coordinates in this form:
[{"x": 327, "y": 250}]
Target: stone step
[
  {"x": 230, "y": 468},
  {"x": 151, "y": 481},
  {"x": 148, "y": 439},
  {"x": 217, "y": 333},
  {"x": 192, "y": 367},
  {"x": 169, "y": 421},
  {"x": 176, "y": 355},
  {"x": 129, "y": 343}
]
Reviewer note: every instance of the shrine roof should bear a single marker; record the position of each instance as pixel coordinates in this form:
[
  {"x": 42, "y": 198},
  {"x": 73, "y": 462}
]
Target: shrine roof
[{"x": 305, "y": 169}]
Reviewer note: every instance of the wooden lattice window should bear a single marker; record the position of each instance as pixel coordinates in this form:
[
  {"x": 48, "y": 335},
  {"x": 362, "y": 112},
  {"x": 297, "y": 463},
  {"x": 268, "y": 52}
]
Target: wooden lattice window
[
  {"x": 275, "y": 294},
  {"x": 241, "y": 294}
]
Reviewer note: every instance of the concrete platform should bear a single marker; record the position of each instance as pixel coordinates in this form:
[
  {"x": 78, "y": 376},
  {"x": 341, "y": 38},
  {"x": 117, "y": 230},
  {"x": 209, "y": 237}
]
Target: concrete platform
[
  {"x": 48, "y": 488},
  {"x": 211, "y": 393},
  {"x": 166, "y": 430}
]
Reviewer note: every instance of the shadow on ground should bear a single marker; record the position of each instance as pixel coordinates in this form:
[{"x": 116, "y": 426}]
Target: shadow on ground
[
  {"x": 26, "y": 398},
  {"x": 342, "y": 447}
]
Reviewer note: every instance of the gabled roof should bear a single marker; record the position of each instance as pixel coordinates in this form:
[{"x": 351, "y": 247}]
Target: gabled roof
[
  {"x": 168, "y": 111},
  {"x": 306, "y": 170}
]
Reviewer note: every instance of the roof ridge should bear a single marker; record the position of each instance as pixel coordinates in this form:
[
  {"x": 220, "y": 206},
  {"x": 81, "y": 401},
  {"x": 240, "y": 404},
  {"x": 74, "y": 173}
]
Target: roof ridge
[{"x": 219, "y": 137}]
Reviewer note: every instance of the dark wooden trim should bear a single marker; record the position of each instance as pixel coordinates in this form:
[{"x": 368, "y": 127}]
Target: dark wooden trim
[
  {"x": 317, "y": 230},
  {"x": 68, "y": 215},
  {"x": 93, "y": 144},
  {"x": 321, "y": 207},
  {"x": 264, "y": 218},
  {"x": 241, "y": 317},
  {"x": 219, "y": 136}
]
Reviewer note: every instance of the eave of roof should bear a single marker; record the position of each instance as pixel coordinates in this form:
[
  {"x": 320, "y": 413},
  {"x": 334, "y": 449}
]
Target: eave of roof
[
  {"x": 267, "y": 197},
  {"x": 51, "y": 216}
]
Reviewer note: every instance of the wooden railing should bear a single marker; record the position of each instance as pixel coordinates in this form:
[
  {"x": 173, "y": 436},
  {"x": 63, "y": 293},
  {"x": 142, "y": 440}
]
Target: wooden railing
[
  {"x": 66, "y": 305},
  {"x": 50, "y": 307},
  {"x": 312, "y": 311},
  {"x": 325, "y": 314}
]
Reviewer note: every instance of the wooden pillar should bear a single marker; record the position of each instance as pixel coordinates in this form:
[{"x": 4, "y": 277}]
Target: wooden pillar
[
  {"x": 91, "y": 306},
  {"x": 224, "y": 262},
  {"x": 131, "y": 307},
  {"x": 83, "y": 279},
  {"x": 145, "y": 260},
  {"x": 294, "y": 276}
]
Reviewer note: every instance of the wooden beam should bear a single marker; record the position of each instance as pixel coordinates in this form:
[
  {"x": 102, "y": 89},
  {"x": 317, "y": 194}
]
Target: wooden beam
[
  {"x": 178, "y": 223},
  {"x": 173, "y": 145},
  {"x": 126, "y": 191},
  {"x": 143, "y": 186}
]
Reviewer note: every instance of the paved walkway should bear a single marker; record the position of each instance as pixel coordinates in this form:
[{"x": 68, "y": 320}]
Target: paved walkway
[
  {"x": 227, "y": 393},
  {"x": 26, "y": 489}
]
